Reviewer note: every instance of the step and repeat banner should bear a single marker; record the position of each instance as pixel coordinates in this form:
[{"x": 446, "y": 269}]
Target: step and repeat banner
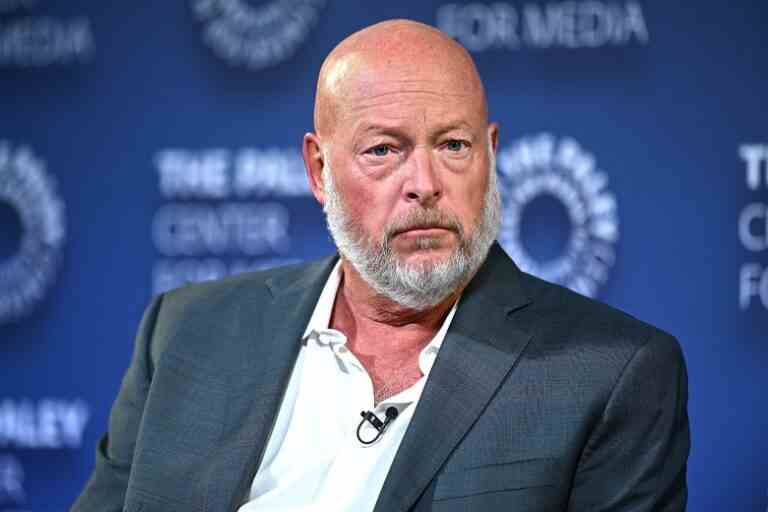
[{"x": 144, "y": 145}]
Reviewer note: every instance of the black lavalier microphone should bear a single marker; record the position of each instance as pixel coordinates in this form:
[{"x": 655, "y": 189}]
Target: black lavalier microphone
[{"x": 380, "y": 426}]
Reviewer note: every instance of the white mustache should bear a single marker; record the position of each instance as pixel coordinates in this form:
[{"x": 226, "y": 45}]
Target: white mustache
[{"x": 424, "y": 219}]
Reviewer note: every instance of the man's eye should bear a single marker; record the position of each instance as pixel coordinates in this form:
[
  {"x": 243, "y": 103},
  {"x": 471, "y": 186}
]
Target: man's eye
[
  {"x": 380, "y": 150},
  {"x": 455, "y": 145}
]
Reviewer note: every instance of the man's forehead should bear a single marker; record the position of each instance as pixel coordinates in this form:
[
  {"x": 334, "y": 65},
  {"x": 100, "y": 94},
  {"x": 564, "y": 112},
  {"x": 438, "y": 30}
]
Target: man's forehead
[
  {"x": 395, "y": 92},
  {"x": 395, "y": 62},
  {"x": 402, "y": 110}
]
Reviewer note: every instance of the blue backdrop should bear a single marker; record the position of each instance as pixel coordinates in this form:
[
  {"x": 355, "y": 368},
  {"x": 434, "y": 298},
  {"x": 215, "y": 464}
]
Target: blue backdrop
[{"x": 144, "y": 144}]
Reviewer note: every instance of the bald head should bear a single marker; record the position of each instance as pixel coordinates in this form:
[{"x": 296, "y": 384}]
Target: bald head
[{"x": 411, "y": 53}]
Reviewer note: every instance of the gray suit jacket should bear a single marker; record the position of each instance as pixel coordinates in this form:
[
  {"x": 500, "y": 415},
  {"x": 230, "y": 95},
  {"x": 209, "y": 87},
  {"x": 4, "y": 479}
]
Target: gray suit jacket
[{"x": 539, "y": 400}]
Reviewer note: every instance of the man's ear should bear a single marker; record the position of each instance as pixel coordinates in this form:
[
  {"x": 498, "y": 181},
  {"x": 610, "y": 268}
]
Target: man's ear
[
  {"x": 493, "y": 136},
  {"x": 314, "y": 161}
]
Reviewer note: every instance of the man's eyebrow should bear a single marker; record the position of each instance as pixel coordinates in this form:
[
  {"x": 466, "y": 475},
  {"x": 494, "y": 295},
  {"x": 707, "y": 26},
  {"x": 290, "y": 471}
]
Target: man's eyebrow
[
  {"x": 449, "y": 127},
  {"x": 393, "y": 130}
]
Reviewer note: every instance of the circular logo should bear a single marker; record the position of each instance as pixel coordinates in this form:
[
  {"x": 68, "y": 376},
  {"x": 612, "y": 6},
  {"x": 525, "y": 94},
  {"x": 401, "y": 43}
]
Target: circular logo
[
  {"x": 256, "y": 37},
  {"x": 543, "y": 165},
  {"x": 27, "y": 274}
]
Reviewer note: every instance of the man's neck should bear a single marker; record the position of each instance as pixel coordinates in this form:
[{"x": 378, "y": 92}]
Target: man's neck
[
  {"x": 380, "y": 328},
  {"x": 355, "y": 298},
  {"x": 385, "y": 336}
]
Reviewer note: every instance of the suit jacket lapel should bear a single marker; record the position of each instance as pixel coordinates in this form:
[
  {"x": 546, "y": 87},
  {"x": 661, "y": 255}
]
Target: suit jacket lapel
[
  {"x": 277, "y": 328},
  {"x": 480, "y": 349}
]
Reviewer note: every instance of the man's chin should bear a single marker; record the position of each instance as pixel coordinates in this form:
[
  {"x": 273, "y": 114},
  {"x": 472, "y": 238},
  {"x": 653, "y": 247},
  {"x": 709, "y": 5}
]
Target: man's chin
[{"x": 424, "y": 259}]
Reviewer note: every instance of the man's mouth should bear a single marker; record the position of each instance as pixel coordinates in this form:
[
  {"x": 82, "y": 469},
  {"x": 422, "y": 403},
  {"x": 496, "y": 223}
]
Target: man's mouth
[{"x": 424, "y": 230}]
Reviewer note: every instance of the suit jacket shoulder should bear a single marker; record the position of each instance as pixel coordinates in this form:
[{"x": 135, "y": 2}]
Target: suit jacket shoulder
[
  {"x": 588, "y": 324},
  {"x": 205, "y": 313}
]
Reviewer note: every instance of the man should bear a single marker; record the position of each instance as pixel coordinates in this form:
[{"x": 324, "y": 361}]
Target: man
[{"x": 498, "y": 391}]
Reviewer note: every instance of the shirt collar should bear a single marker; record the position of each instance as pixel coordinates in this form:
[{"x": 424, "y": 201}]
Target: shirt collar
[
  {"x": 321, "y": 316},
  {"x": 429, "y": 353},
  {"x": 317, "y": 328}
]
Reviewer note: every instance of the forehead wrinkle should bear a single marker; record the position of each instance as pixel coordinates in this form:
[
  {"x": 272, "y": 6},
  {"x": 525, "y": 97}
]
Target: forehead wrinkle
[
  {"x": 377, "y": 93},
  {"x": 394, "y": 99},
  {"x": 371, "y": 80}
]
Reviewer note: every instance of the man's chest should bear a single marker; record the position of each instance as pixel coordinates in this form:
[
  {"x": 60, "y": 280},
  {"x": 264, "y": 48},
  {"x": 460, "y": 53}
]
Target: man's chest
[
  {"x": 392, "y": 370},
  {"x": 319, "y": 424}
]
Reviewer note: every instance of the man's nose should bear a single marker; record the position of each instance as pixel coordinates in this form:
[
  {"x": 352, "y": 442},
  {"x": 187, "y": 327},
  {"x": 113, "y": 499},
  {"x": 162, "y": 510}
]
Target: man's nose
[{"x": 423, "y": 183}]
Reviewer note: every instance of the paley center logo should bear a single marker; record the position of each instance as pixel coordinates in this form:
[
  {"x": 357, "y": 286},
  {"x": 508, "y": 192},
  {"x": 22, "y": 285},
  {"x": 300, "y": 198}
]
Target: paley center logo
[
  {"x": 559, "y": 169},
  {"x": 28, "y": 198},
  {"x": 256, "y": 37}
]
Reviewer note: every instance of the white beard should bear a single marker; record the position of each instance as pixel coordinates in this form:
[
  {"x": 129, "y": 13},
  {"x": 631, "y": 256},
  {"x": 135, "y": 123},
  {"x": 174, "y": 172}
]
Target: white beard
[{"x": 422, "y": 285}]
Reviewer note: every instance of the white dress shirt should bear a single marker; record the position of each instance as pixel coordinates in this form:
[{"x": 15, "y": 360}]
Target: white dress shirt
[{"x": 313, "y": 460}]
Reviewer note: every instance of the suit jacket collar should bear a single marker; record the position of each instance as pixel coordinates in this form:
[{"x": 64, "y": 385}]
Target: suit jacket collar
[{"x": 308, "y": 282}]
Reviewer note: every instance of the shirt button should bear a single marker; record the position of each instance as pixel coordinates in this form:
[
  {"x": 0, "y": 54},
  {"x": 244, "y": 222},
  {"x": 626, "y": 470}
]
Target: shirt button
[{"x": 342, "y": 349}]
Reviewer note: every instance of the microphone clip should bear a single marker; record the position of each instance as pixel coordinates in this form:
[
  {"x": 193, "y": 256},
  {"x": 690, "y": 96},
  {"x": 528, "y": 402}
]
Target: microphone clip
[{"x": 380, "y": 426}]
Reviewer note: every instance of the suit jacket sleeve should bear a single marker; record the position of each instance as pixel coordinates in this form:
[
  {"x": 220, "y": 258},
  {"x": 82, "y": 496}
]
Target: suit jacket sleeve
[
  {"x": 635, "y": 459},
  {"x": 105, "y": 491}
]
